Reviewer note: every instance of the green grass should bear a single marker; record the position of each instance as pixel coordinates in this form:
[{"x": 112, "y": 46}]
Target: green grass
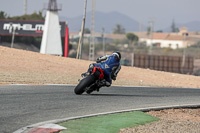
[{"x": 111, "y": 123}]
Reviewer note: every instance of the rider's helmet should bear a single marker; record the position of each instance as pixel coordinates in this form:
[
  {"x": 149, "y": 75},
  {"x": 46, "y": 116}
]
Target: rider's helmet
[{"x": 117, "y": 55}]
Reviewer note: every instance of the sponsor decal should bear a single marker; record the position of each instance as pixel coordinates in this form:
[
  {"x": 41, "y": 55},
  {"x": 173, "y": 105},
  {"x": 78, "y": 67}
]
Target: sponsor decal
[
  {"x": 25, "y": 28},
  {"x": 106, "y": 66}
]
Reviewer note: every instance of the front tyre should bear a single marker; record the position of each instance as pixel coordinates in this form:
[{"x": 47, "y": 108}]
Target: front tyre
[{"x": 87, "y": 81}]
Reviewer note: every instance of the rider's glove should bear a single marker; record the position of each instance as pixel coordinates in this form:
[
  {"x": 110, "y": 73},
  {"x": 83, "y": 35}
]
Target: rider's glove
[
  {"x": 114, "y": 77},
  {"x": 98, "y": 60}
]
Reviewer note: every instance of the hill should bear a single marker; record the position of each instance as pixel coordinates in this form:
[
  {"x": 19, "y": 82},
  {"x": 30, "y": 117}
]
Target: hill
[
  {"x": 109, "y": 20},
  {"x": 103, "y": 20}
]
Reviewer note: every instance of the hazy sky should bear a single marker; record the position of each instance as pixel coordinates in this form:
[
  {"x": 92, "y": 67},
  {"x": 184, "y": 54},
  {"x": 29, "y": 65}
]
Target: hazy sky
[{"x": 161, "y": 11}]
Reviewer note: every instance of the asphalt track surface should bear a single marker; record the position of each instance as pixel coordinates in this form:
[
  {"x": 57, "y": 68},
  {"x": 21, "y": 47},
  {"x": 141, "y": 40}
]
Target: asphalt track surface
[{"x": 23, "y": 105}]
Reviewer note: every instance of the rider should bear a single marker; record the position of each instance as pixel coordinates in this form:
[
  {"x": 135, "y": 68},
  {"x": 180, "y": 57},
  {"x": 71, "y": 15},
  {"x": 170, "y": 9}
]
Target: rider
[{"x": 111, "y": 66}]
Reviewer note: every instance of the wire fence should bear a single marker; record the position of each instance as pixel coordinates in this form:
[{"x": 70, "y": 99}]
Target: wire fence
[{"x": 165, "y": 63}]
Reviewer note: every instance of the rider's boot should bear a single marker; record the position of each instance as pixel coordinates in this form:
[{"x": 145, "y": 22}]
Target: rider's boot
[
  {"x": 85, "y": 74},
  {"x": 103, "y": 83}
]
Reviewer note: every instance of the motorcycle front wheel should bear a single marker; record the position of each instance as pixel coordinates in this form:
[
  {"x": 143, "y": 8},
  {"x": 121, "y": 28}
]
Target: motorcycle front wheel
[{"x": 87, "y": 81}]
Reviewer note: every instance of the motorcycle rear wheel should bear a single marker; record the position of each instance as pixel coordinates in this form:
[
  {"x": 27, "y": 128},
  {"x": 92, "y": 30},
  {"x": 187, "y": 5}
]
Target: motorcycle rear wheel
[{"x": 87, "y": 81}]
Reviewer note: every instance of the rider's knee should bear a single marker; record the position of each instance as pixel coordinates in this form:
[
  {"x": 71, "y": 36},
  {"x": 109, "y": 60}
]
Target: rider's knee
[{"x": 90, "y": 69}]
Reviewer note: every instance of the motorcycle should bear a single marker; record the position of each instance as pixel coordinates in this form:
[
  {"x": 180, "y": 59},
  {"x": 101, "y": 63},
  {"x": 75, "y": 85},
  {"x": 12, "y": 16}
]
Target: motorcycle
[{"x": 91, "y": 82}]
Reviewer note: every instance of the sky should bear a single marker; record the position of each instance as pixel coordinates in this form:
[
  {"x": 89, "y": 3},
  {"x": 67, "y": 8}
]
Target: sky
[{"x": 162, "y": 12}]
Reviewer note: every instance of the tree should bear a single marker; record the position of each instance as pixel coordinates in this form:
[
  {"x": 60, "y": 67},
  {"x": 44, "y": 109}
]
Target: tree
[
  {"x": 3, "y": 15},
  {"x": 87, "y": 31},
  {"x": 149, "y": 30},
  {"x": 33, "y": 16},
  {"x": 159, "y": 31},
  {"x": 173, "y": 27},
  {"x": 197, "y": 45},
  {"x": 132, "y": 37},
  {"x": 118, "y": 29}
]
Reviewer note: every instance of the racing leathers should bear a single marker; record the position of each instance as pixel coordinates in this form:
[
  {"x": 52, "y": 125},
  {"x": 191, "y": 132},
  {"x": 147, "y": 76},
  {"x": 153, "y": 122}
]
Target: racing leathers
[{"x": 110, "y": 65}]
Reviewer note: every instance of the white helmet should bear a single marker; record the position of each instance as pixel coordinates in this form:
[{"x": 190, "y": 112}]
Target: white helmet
[{"x": 117, "y": 55}]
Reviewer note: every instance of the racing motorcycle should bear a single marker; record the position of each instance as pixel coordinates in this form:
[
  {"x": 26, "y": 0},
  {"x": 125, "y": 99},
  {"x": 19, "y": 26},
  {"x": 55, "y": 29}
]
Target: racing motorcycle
[{"x": 90, "y": 82}]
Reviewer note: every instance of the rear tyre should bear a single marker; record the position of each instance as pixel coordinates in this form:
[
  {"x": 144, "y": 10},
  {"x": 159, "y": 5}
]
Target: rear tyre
[{"x": 87, "y": 81}]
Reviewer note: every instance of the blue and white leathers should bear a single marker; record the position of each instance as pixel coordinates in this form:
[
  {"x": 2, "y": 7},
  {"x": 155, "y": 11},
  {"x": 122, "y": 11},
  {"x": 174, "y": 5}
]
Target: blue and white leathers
[{"x": 109, "y": 65}]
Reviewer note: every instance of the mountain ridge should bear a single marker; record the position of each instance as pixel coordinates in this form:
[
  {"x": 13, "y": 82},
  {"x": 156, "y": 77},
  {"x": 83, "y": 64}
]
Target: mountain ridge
[
  {"x": 109, "y": 20},
  {"x": 103, "y": 20}
]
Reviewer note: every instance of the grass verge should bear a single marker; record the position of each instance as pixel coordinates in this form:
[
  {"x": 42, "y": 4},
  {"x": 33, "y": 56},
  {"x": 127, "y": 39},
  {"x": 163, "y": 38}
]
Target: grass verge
[{"x": 111, "y": 123}]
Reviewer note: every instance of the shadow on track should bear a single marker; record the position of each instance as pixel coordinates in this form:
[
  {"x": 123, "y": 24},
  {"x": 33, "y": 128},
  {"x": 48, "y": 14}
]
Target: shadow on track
[{"x": 125, "y": 95}]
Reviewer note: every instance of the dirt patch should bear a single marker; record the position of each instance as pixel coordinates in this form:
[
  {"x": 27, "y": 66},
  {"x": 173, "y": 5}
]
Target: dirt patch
[
  {"x": 20, "y": 66},
  {"x": 171, "y": 121}
]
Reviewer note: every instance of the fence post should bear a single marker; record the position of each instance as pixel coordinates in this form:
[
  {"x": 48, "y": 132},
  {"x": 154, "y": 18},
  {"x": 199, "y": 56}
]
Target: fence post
[{"x": 132, "y": 59}]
